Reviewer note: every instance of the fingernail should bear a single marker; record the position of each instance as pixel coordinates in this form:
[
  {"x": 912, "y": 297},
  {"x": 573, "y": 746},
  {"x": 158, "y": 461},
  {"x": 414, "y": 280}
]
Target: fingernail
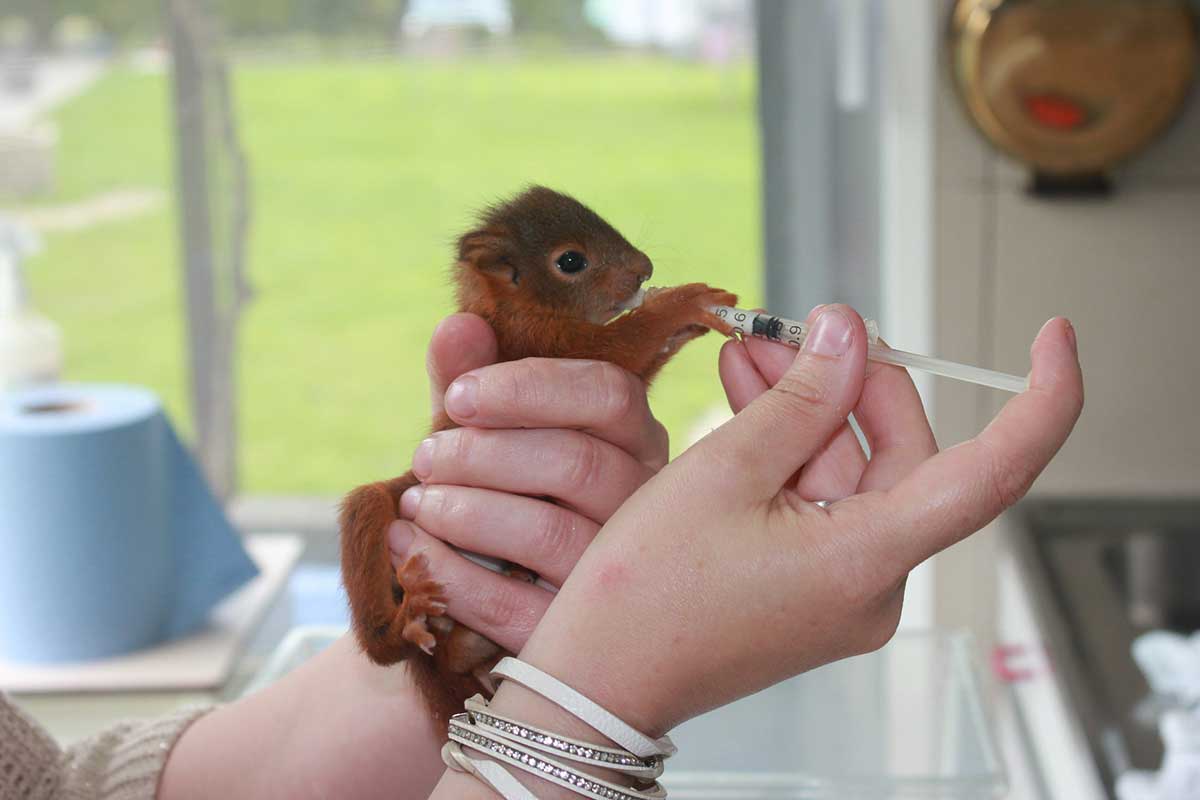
[
  {"x": 830, "y": 334},
  {"x": 410, "y": 501},
  {"x": 422, "y": 460},
  {"x": 1071, "y": 337},
  {"x": 400, "y": 537},
  {"x": 461, "y": 397}
]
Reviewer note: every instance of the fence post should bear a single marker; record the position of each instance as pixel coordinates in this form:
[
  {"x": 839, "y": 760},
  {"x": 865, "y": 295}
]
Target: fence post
[{"x": 212, "y": 194}]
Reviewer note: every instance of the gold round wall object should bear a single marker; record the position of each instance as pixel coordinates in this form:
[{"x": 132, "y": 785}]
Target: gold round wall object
[{"x": 1073, "y": 86}]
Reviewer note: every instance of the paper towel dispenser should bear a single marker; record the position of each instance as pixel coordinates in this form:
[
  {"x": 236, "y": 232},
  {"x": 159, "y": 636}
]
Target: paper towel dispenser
[{"x": 1072, "y": 87}]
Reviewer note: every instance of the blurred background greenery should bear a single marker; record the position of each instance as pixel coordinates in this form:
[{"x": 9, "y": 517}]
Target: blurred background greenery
[{"x": 367, "y": 159}]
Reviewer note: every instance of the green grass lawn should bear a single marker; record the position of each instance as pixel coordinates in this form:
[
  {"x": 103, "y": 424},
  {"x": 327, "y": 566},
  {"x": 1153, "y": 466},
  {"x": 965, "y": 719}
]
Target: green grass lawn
[{"x": 363, "y": 175}]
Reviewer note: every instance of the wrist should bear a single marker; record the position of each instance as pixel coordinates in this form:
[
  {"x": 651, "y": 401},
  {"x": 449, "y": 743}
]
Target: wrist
[
  {"x": 379, "y": 712},
  {"x": 543, "y": 710},
  {"x": 607, "y": 683},
  {"x": 585, "y": 642}
]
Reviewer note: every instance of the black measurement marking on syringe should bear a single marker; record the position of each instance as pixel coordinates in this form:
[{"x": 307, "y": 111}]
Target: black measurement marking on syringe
[{"x": 771, "y": 327}]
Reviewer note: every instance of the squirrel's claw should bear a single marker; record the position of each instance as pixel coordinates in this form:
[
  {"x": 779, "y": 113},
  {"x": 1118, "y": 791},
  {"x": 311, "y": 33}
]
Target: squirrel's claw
[{"x": 422, "y": 599}]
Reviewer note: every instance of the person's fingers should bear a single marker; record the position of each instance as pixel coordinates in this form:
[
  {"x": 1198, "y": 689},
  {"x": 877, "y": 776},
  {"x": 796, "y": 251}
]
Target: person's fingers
[
  {"x": 739, "y": 375},
  {"x": 540, "y": 536},
  {"x": 961, "y": 489},
  {"x": 889, "y": 412},
  {"x": 756, "y": 452},
  {"x": 835, "y": 470},
  {"x": 460, "y": 343},
  {"x": 748, "y": 367},
  {"x": 503, "y": 609},
  {"x": 771, "y": 359},
  {"x": 893, "y": 420},
  {"x": 595, "y": 397},
  {"x": 589, "y": 475}
]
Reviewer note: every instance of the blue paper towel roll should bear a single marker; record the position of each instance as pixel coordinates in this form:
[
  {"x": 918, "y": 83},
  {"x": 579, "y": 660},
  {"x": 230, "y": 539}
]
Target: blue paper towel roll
[{"x": 109, "y": 538}]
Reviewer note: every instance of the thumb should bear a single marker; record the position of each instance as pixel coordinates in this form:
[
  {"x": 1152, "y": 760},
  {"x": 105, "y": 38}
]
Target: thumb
[
  {"x": 460, "y": 343},
  {"x": 762, "y": 447}
]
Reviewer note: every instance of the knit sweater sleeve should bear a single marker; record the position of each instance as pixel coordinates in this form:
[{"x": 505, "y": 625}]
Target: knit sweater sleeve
[{"x": 122, "y": 762}]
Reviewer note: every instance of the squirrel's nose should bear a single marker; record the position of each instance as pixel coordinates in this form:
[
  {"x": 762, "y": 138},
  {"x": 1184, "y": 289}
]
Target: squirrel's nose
[{"x": 643, "y": 268}]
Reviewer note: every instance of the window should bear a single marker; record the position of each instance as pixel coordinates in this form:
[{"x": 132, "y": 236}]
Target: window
[{"x": 371, "y": 134}]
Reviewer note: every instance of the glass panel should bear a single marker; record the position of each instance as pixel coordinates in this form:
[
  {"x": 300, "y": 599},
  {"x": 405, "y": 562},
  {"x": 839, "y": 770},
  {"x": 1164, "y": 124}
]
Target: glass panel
[
  {"x": 373, "y": 134},
  {"x": 903, "y": 723}
]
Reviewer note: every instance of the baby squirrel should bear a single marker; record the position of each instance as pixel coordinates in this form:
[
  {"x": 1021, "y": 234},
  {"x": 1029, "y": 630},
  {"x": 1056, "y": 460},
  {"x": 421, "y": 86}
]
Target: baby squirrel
[{"x": 551, "y": 278}]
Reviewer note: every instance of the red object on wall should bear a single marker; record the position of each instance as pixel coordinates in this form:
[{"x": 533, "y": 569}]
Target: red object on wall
[
  {"x": 1055, "y": 111},
  {"x": 1003, "y": 667}
]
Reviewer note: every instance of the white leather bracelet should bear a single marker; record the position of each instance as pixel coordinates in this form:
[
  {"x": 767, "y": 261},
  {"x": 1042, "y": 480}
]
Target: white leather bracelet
[
  {"x": 571, "y": 701},
  {"x": 491, "y": 773},
  {"x": 463, "y": 733},
  {"x": 506, "y": 741}
]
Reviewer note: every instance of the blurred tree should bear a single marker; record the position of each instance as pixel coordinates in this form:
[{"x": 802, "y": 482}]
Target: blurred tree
[
  {"x": 313, "y": 16},
  {"x": 565, "y": 17},
  {"x": 122, "y": 19},
  {"x": 117, "y": 18},
  {"x": 257, "y": 18}
]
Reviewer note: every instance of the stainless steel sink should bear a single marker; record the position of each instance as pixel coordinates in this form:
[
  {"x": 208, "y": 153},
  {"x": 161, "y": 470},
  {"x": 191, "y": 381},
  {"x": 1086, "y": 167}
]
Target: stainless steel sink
[{"x": 1103, "y": 572}]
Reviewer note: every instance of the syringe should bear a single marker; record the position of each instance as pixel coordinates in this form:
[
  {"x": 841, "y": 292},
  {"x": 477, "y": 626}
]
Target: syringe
[{"x": 791, "y": 332}]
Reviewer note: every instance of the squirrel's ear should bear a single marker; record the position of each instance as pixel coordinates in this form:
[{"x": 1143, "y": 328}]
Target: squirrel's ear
[{"x": 488, "y": 251}]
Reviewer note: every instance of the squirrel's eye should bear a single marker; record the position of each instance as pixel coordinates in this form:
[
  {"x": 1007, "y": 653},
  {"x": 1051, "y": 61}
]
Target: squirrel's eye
[{"x": 571, "y": 262}]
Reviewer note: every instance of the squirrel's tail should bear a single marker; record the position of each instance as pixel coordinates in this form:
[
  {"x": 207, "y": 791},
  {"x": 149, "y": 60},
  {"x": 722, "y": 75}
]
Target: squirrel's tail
[
  {"x": 367, "y": 572},
  {"x": 443, "y": 691},
  {"x": 376, "y": 597}
]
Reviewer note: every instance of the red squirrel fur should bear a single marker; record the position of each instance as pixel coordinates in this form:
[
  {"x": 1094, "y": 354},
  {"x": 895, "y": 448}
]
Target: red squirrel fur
[{"x": 549, "y": 276}]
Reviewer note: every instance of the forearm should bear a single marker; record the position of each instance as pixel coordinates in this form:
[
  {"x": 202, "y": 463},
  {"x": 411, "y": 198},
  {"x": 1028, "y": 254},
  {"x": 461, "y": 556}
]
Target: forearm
[
  {"x": 337, "y": 727},
  {"x": 616, "y": 682}
]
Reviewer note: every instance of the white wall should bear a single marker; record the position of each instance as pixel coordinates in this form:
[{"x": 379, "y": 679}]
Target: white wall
[
  {"x": 1124, "y": 269},
  {"x": 908, "y": 92}
]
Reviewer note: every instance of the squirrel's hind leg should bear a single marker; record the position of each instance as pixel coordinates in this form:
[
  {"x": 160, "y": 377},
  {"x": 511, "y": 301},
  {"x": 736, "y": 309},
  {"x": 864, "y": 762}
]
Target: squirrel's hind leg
[{"x": 423, "y": 599}]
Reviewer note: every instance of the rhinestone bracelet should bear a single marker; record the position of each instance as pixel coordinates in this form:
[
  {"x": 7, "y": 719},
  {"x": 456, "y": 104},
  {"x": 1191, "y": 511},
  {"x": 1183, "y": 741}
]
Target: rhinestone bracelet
[
  {"x": 582, "y": 708},
  {"x": 585, "y": 753},
  {"x": 520, "y": 755},
  {"x": 506, "y": 743}
]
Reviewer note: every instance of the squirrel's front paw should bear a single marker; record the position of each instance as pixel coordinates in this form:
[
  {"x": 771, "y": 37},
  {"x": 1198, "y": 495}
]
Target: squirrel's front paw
[
  {"x": 691, "y": 305},
  {"x": 704, "y": 303},
  {"x": 422, "y": 599}
]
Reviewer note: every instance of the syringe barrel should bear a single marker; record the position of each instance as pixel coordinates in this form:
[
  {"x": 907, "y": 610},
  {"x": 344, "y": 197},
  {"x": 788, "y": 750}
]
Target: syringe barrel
[
  {"x": 780, "y": 329},
  {"x": 791, "y": 332}
]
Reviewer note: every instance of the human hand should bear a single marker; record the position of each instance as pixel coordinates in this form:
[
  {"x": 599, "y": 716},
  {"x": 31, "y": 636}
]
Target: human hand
[
  {"x": 720, "y": 576},
  {"x": 579, "y": 433},
  {"x": 889, "y": 413}
]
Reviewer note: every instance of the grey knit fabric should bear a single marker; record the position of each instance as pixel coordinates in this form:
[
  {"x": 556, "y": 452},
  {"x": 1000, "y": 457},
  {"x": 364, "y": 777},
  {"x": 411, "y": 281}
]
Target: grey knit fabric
[{"x": 123, "y": 762}]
